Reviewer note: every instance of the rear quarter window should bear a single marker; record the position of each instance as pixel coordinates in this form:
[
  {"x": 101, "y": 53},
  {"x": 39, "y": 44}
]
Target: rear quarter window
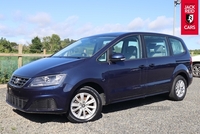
[{"x": 177, "y": 46}]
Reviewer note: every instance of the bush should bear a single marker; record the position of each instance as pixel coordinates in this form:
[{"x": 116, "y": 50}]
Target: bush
[{"x": 9, "y": 64}]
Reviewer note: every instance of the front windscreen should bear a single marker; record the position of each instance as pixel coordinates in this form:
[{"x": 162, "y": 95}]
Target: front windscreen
[{"x": 85, "y": 47}]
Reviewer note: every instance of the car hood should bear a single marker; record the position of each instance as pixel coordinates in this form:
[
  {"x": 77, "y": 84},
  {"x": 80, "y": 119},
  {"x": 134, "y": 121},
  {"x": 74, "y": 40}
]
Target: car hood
[{"x": 46, "y": 66}]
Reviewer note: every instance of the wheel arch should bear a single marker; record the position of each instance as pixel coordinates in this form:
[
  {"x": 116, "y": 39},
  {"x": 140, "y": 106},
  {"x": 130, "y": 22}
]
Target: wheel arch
[
  {"x": 184, "y": 72},
  {"x": 95, "y": 86}
]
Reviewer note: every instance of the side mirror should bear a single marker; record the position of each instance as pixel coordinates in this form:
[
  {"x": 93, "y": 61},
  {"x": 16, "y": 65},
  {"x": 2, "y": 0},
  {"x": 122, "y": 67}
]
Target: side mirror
[{"x": 117, "y": 57}]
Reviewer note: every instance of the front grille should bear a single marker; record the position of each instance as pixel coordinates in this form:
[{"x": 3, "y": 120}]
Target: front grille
[
  {"x": 18, "y": 81},
  {"x": 16, "y": 101}
]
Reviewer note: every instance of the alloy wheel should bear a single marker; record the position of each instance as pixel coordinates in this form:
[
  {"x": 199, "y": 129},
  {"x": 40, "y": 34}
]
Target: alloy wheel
[
  {"x": 180, "y": 88},
  {"x": 83, "y": 105}
]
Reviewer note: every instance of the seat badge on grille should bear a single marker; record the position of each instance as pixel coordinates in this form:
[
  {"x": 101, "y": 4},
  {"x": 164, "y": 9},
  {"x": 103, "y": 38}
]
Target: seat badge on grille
[{"x": 16, "y": 80}]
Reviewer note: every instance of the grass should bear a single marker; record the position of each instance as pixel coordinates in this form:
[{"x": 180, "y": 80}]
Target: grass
[
  {"x": 1, "y": 129},
  {"x": 13, "y": 128},
  {"x": 9, "y": 64}
]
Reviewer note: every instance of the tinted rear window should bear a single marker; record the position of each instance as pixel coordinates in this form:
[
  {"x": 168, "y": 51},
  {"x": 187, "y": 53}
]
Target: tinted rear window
[{"x": 177, "y": 46}]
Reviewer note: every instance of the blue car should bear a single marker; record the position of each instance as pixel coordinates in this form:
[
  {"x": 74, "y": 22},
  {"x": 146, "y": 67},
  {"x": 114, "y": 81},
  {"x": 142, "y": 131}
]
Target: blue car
[{"x": 100, "y": 70}]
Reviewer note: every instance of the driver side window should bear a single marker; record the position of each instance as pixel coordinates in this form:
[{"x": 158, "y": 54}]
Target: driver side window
[
  {"x": 129, "y": 47},
  {"x": 118, "y": 47}
]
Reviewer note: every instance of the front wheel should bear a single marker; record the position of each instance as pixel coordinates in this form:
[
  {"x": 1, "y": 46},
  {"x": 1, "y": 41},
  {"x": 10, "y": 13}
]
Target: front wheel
[
  {"x": 196, "y": 70},
  {"x": 179, "y": 88},
  {"x": 85, "y": 105}
]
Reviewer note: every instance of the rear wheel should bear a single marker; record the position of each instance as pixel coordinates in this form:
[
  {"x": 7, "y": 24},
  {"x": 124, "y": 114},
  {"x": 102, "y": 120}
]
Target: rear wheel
[
  {"x": 179, "y": 89},
  {"x": 196, "y": 70},
  {"x": 85, "y": 105}
]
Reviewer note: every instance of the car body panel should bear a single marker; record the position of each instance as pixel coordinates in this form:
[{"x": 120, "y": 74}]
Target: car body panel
[
  {"x": 159, "y": 74},
  {"x": 126, "y": 79}
]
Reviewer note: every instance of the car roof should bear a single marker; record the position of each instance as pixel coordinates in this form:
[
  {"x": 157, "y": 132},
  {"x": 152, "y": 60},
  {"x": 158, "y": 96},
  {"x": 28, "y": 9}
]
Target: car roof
[{"x": 116, "y": 34}]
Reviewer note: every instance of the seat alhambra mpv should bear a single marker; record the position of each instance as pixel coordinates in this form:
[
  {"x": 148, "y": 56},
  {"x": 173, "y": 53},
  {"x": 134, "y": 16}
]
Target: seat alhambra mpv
[{"x": 99, "y": 70}]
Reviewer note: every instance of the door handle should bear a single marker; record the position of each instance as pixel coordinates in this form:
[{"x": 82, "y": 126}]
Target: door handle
[
  {"x": 152, "y": 65},
  {"x": 142, "y": 66}
]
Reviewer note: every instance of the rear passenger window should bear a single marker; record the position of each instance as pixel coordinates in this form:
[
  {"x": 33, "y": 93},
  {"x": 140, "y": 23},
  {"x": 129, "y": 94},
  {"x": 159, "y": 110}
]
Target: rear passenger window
[
  {"x": 177, "y": 46},
  {"x": 156, "y": 46}
]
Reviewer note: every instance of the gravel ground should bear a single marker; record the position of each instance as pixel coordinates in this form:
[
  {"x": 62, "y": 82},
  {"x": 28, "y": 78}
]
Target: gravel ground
[{"x": 150, "y": 115}]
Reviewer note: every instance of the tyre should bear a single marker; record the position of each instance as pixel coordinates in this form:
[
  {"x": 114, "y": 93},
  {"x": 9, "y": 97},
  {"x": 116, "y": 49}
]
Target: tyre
[
  {"x": 85, "y": 106},
  {"x": 196, "y": 70},
  {"x": 179, "y": 88}
]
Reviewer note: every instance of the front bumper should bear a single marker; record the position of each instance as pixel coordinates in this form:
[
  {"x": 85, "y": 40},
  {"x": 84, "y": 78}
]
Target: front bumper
[{"x": 38, "y": 100}]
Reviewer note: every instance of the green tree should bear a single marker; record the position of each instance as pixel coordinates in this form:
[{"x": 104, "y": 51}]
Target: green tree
[
  {"x": 5, "y": 46},
  {"x": 66, "y": 42},
  {"x": 46, "y": 41},
  {"x": 55, "y": 43},
  {"x": 36, "y": 46},
  {"x": 14, "y": 47},
  {"x": 26, "y": 48}
]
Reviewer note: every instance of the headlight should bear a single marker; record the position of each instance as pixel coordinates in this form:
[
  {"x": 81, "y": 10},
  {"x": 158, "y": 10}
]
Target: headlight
[{"x": 49, "y": 80}]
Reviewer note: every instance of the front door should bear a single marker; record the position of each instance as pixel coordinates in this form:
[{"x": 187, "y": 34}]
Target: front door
[{"x": 126, "y": 78}]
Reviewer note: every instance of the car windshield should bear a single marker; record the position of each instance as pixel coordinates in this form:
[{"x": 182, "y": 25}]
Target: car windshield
[{"x": 85, "y": 47}]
